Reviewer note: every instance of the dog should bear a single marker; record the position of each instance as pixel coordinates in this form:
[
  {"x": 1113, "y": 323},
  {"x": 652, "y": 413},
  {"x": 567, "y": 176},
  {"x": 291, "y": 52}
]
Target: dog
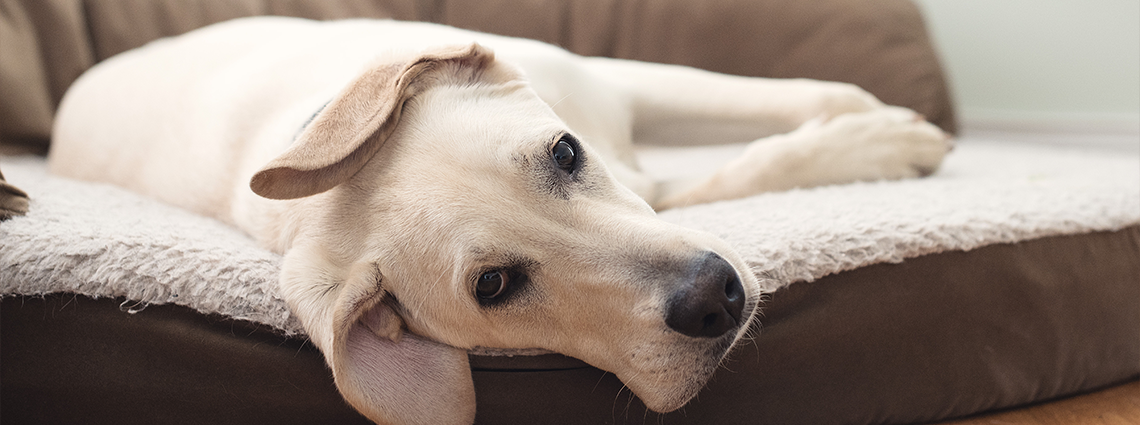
[{"x": 434, "y": 190}]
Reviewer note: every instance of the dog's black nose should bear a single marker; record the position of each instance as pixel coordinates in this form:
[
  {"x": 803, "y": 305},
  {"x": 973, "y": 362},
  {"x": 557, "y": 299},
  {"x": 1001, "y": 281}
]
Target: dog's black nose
[{"x": 709, "y": 305}]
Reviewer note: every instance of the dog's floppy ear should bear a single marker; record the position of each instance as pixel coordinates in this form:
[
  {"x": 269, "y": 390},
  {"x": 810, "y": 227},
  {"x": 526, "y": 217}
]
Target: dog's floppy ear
[
  {"x": 352, "y": 128},
  {"x": 391, "y": 376}
]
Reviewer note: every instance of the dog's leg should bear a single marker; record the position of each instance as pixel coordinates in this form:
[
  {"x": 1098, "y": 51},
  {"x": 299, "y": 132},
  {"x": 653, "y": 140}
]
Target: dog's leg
[
  {"x": 682, "y": 106},
  {"x": 885, "y": 143},
  {"x": 839, "y": 133}
]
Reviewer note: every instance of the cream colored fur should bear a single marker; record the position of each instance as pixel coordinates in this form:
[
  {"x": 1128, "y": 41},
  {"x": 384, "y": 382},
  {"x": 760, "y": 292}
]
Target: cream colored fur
[{"x": 429, "y": 163}]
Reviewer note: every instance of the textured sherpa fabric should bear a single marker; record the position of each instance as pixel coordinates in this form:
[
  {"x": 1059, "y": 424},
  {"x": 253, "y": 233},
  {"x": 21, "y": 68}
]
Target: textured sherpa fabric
[{"x": 101, "y": 241}]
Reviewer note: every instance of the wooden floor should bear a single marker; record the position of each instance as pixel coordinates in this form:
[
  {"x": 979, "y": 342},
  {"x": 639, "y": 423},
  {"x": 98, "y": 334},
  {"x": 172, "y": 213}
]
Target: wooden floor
[{"x": 1112, "y": 406}]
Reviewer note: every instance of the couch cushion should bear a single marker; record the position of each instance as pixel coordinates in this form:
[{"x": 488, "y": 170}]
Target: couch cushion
[{"x": 880, "y": 45}]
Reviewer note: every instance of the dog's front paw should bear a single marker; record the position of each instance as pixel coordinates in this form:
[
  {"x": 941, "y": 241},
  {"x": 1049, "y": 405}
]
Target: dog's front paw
[
  {"x": 881, "y": 144},
  {"x": 885, "y": 143}
]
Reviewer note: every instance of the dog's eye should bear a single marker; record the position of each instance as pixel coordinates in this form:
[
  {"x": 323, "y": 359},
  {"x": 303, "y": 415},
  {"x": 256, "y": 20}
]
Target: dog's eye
[
  {"x": 491, "y": 284},
  {"x": 563, "y": 153}
]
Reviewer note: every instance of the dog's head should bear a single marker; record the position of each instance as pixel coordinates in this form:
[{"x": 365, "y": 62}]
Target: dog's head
[{"x": 445, "y": 207}]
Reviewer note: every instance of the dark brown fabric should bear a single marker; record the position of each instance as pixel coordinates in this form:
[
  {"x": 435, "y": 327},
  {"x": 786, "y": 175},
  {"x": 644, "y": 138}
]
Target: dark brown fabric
[
  {"x": 880, "y": 45},
  {"x": 934, "y": 337},
  {"x": 43, "y": 48},
  {"x": 69, "y": 359},
  {"x": 120, "y": 25},
  {"x": 951, "y": 334}
]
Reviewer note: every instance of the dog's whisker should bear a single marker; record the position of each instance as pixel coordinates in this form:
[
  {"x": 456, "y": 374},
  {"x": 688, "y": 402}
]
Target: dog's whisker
[
  {"x": 560, "y": 100},
  {"x": 600, "y": 379},
  {"x": 629, "y": 397}
]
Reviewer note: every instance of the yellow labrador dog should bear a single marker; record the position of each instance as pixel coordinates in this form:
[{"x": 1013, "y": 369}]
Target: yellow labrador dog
[{"x": 435, "y": 190}]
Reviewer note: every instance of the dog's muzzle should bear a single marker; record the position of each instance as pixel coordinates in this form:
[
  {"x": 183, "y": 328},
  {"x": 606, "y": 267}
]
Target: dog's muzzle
[{"x": 711, "y": 303}]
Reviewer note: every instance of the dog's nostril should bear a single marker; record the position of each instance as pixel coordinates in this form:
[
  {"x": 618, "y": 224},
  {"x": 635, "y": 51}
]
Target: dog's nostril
[
  {"x": 710, "y": 320},
  {"x": 709, "y": 305},
  {"x": 733, "y": 289}
]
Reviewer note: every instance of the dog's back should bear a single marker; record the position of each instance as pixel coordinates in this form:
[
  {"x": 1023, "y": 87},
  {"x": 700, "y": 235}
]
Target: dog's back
[
  {"x": 153, "y": 120},
  {"x": 188, "y": 120}
]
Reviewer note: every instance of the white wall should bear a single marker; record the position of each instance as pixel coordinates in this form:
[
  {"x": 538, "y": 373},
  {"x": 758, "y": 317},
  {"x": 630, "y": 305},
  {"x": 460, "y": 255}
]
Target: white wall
[{"x": 1041, "y": 64}]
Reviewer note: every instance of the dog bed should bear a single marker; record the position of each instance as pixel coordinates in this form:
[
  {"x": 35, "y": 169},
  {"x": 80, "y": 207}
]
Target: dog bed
[{"x": 1008, "y": 277}]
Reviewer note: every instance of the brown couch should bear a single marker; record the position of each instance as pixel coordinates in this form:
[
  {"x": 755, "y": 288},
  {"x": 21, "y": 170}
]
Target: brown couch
[{"x": 991, "y": 328}]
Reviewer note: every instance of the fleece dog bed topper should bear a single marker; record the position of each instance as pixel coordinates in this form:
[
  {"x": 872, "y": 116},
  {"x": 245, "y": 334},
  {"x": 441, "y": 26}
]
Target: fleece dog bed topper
[{"x": 102, "y": 241}]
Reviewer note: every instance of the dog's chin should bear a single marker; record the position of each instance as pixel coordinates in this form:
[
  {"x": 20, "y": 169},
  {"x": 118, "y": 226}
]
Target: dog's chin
[
  {"x": 665, "y": 403},
  {"x": 672, "y": 387},
  {"x": 661, "y": 398}
]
